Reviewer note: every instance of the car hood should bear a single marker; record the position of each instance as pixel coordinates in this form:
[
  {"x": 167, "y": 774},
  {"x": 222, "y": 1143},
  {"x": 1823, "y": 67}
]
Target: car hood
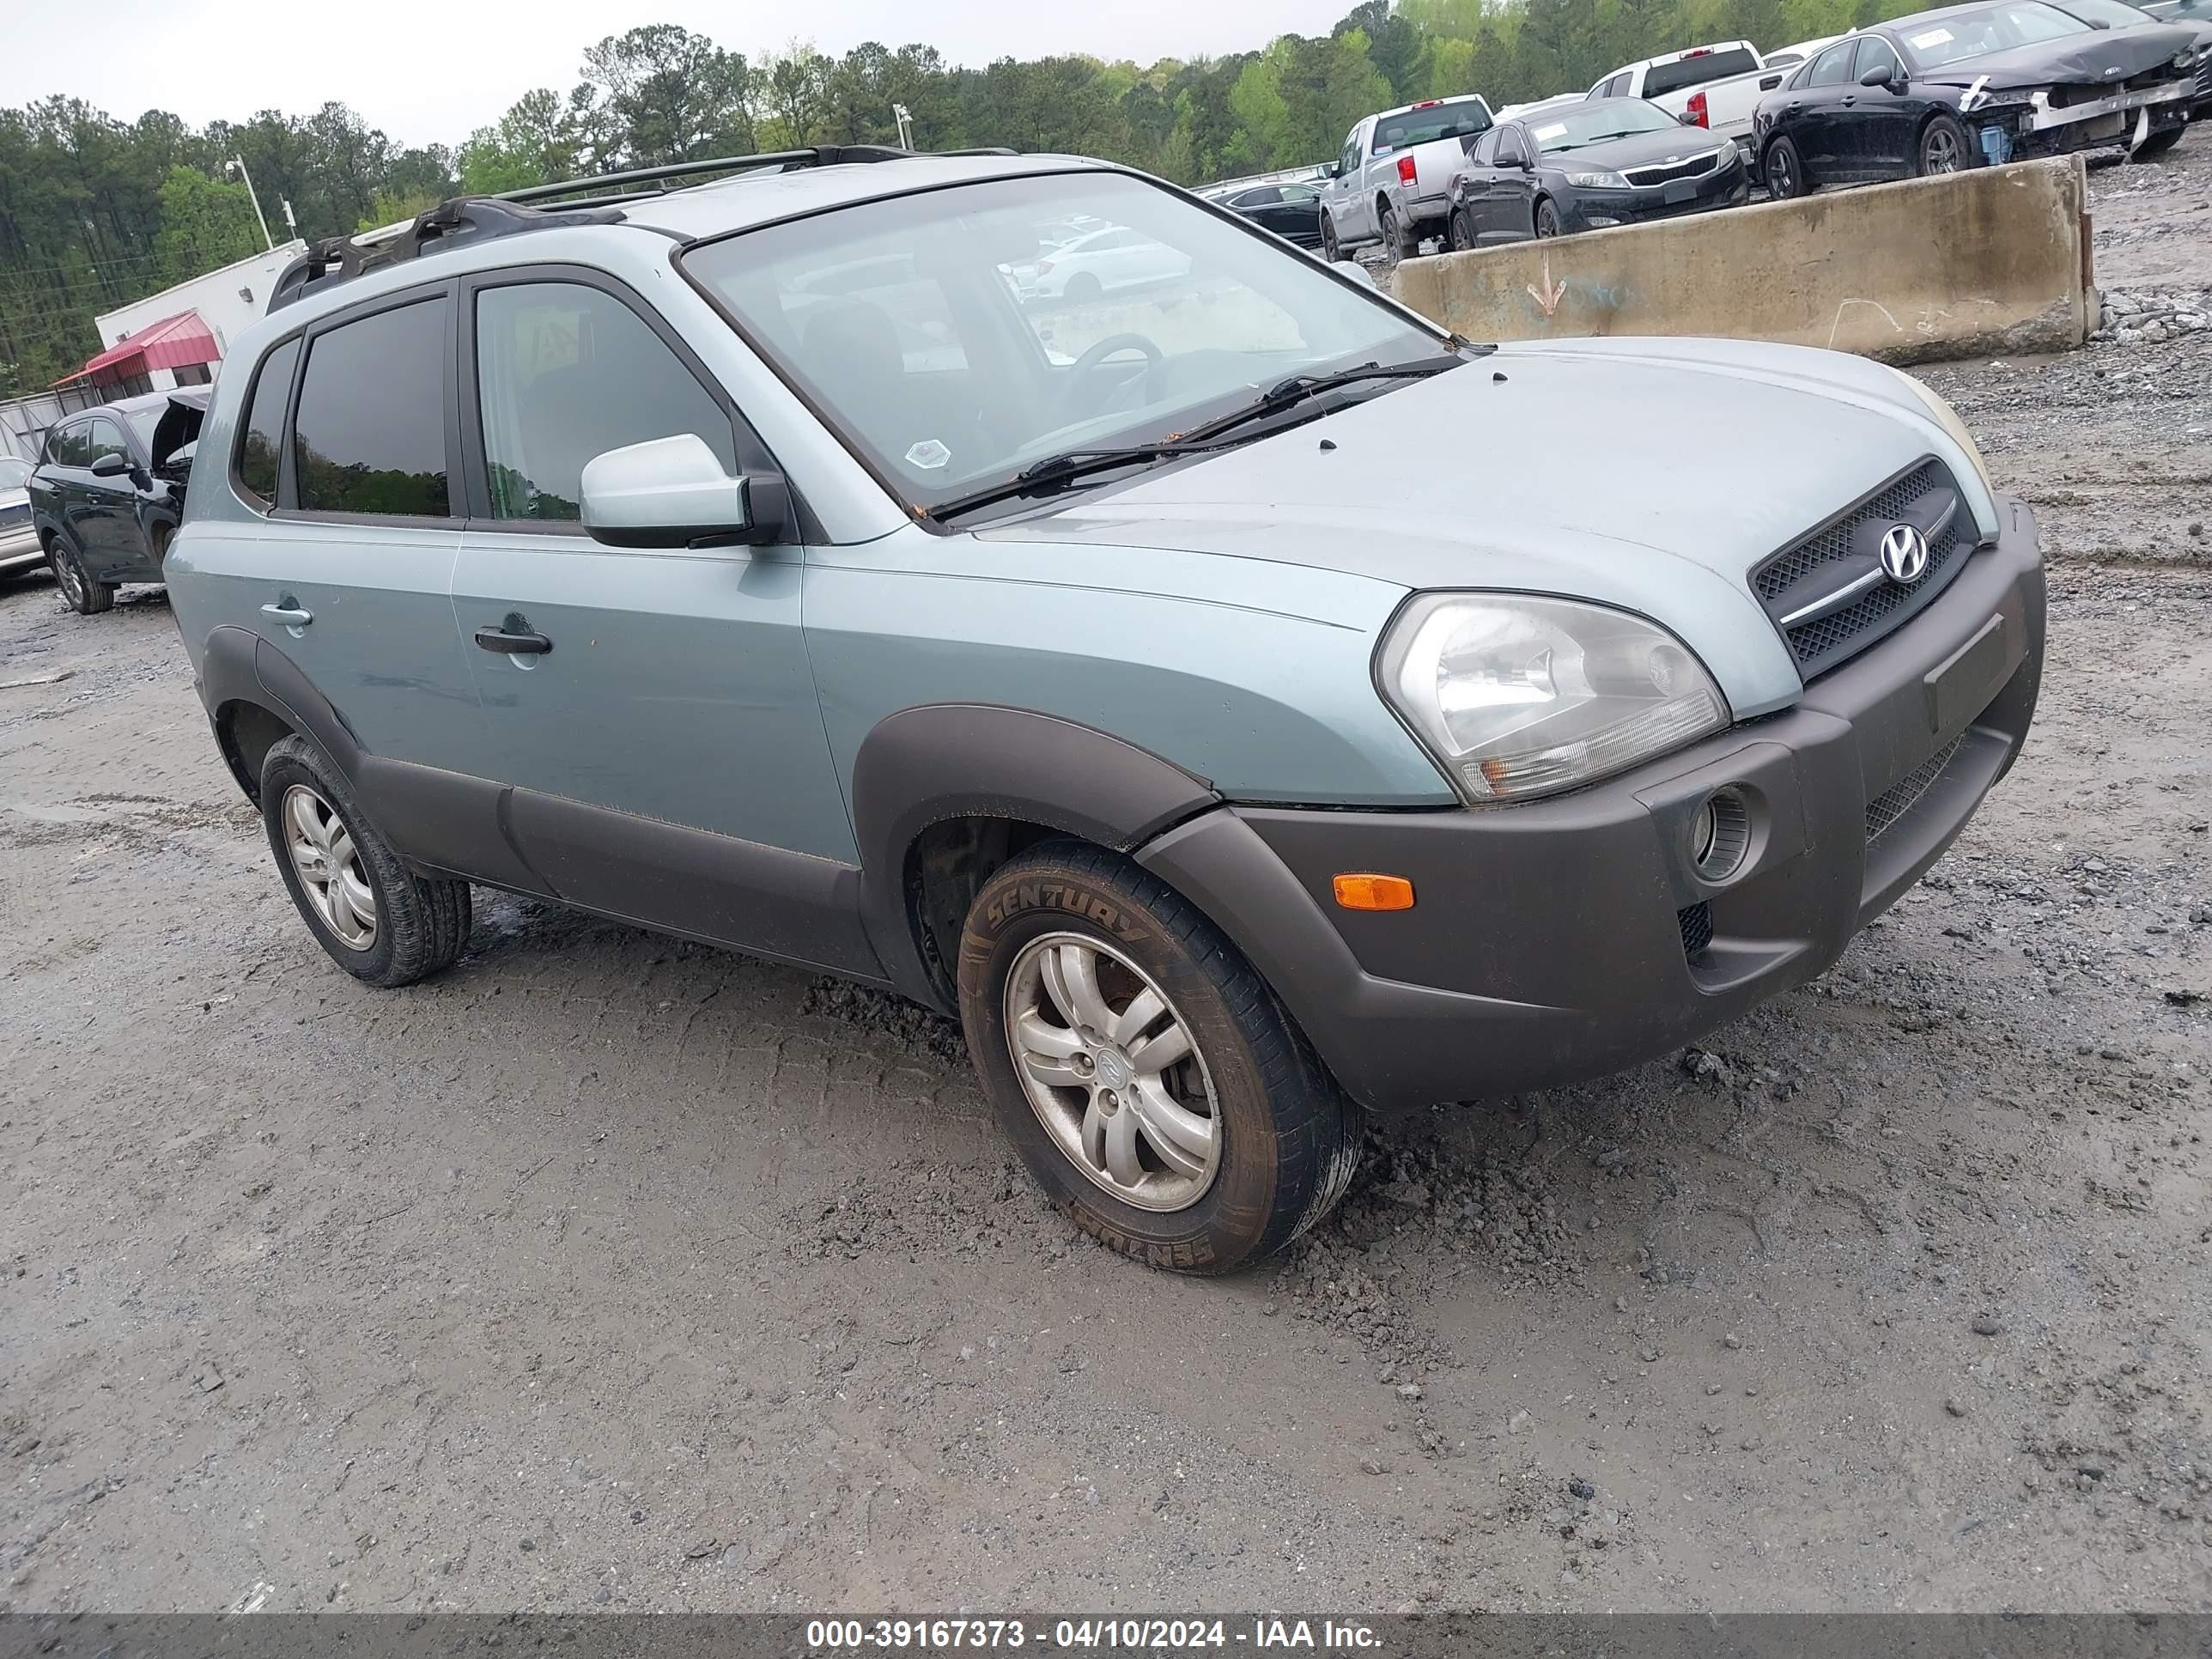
[
  {"x": 2100, "y": 55},
  {"x": 1638, "y": 149},
  {"x": 1649, "y": 474}
]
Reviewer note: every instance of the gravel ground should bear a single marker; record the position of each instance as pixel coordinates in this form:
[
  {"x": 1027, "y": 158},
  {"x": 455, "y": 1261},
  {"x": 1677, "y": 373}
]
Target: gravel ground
[{"x": 606, "y": 1272}]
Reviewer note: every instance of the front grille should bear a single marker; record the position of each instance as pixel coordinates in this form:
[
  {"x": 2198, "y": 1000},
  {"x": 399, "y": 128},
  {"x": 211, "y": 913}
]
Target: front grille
[
  {"x": 1843, "y": 552},
  {"x": 1697, "y": 925},
  {"x": 1696, "y": 168},
  {"x": 2204, "y": 77},
  {"x": 1894, "y": 802}
]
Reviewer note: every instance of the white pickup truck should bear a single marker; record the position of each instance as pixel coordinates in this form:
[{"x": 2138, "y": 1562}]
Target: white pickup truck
[
  {"x": 1714, "y": 86},
  {"x": 1392, "y": 183}
]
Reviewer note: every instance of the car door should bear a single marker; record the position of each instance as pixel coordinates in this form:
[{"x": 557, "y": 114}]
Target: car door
[
  {"x": 106, "y": 517},
  {"x": 1509, "y": 193},
  {"x": 346, "y": 454},
  {"x": 1355, "y": 203},
  {"x": 1812, "y": 112},
  {"x": 1883, "y": 121},
  {"x": 653, "y": 709},
  {"x": 1297, "y": 215}
]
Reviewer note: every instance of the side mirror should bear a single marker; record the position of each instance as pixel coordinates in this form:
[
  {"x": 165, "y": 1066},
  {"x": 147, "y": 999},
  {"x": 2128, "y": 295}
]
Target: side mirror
[
  {"x": 110, "y": 465},
  {"x": 1353, "y": 270},
  {"x": 1879, "y": 75},
  {"x": 1689, "y": 119},
  {"x": 672, "y": 492}
]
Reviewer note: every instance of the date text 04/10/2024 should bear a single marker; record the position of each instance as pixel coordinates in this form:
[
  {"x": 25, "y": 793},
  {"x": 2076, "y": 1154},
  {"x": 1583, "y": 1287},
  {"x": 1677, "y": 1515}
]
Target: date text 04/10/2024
[{"x": 1091, "y": 1635}]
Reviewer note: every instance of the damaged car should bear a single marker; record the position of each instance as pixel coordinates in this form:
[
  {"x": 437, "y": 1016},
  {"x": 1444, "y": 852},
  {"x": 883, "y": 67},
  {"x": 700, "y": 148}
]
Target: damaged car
[
  {"x": 2194, "y": 14},
  {"x": 109, "y": 491},
  {"x": 1974, "y": 86}
]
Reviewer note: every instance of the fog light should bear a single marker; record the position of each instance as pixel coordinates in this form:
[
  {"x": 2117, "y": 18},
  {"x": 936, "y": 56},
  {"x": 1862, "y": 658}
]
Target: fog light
[{"x": 1720, "y": 836}]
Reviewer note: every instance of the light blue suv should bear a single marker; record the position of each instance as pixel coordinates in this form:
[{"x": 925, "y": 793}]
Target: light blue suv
[{"x": 1241, "y": 701}]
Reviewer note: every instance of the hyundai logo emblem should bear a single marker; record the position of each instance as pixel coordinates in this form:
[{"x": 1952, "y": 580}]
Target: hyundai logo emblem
[{"x": 1904, "y": 554}]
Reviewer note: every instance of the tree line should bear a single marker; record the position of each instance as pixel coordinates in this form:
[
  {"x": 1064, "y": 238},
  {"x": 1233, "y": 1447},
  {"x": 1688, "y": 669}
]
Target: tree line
[{"x": 95, "y": 211}]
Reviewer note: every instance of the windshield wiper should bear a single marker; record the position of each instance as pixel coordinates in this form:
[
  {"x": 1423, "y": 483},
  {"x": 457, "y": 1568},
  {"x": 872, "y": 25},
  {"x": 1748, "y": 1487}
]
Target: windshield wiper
[
  {"x": 1299, "y": 387},
  {"x": 1057, "y": 471}
]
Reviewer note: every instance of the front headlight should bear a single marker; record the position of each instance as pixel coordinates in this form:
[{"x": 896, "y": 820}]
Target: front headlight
[
  {"x": 1947, "y": 418},
  {"x": 1597, "y": 181},
  {"x": 1518, "y": 696}
]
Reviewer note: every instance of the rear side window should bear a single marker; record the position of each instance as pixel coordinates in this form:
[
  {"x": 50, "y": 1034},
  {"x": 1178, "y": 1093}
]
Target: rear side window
[
  {"x": 1662, "y": 78},
  {"x": 565, "y": 373},
  {"x": 370, "y": 434},
  {"x": 259, "y": 442}
]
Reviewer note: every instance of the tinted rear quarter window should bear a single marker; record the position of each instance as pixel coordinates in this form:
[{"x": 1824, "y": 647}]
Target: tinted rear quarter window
[
  {"x": 369, "y": 436},
  {"x": 1662, "y": 78},
  {"x": 264, "y": 431}
]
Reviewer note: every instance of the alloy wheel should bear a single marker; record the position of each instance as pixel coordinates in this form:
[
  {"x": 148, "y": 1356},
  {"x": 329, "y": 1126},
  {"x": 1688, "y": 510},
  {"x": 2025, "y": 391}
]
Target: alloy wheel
[
  {"x": 1939, "y": 150},
  {"x": 71, "y": 578},
  {"x": 1112, "y": 1072},
  {"x": 330, "y": 869}
]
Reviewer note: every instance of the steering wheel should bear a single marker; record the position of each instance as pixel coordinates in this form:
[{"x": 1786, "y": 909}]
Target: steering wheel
[{"x": 1079, "y": 371}]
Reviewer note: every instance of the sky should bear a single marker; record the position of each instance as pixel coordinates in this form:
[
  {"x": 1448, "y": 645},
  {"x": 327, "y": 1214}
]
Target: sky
[{"x": 430, "y": 71}]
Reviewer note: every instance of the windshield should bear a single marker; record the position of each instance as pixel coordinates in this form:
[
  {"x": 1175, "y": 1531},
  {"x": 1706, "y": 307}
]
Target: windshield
[
  {"x": 953, "y": 339},
  {"x": 1457, "y": 117},
  {"x": 2111, "y": 12},
  {"x": 1993, "y": 28},
  {"x": 1608, "y": 117},
  {"x": 1696, "y": 69},
  {"x": 13, "y": 474}
]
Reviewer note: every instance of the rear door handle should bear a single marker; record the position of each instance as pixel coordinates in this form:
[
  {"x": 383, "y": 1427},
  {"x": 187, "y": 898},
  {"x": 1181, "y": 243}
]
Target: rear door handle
[
  {"x": 519, "y": 642},
  {"x": 292, "y": 615}
]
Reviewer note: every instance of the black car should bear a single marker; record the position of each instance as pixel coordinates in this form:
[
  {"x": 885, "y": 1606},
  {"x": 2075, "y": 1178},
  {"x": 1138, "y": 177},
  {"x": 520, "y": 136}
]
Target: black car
[
  {"x": 109, "y": 490},
  {"x": 1291, "y": 211},
  {"x": 1970, "y": 86},
  {"x": 2189, "y": 14},
  {"x": 1587, "y": 166}
]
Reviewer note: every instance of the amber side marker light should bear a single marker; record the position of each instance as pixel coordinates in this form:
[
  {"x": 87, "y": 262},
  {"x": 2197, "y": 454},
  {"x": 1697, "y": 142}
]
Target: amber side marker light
[{"x": 1366, "y": 892}]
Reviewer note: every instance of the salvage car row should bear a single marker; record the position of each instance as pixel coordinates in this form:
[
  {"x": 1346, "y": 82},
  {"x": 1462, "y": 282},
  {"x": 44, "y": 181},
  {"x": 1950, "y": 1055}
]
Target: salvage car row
[{"x": 1970, "y": 85}]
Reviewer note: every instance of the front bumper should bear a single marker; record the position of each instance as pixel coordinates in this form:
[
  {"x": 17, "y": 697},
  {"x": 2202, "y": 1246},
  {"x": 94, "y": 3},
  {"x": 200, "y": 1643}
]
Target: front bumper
[
  {"x": 1603, "y": 209},
  {"x": 1562, "y": 940}
]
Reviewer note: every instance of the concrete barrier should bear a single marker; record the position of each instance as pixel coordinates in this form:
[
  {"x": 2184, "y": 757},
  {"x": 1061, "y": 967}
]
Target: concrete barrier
[{"x": 1991, "y": 260}]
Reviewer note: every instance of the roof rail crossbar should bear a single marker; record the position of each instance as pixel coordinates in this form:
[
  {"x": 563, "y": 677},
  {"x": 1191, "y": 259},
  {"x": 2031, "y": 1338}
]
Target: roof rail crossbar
[{"x": 478, "y": 218}]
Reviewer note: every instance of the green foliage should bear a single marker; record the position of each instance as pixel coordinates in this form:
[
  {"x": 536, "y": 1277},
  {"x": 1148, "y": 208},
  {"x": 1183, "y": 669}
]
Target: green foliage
[{"x": 95, "y": 212}]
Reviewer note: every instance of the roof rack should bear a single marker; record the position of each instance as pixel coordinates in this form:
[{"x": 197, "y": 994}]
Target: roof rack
[{"x": 337, "y": 259}]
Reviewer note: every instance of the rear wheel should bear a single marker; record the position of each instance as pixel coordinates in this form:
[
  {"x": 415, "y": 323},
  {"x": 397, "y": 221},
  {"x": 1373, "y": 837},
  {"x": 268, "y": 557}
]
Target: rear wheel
[
  {"x": 1082, "y": 287},
  {"x": 1942, "y": 146},
  {"x": 1143, "y": 1068},
  {"x": 1785, "y": 171},
  {"x": 1395, "y": 236},
  {"x": 1547, "y": 219},
  {"x": 86, "y": 596},
  {"x": 377, "y": 920}
]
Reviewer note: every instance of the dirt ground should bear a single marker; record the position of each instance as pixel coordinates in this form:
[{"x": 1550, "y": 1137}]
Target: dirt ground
[{"x": 606, "y": 1272}]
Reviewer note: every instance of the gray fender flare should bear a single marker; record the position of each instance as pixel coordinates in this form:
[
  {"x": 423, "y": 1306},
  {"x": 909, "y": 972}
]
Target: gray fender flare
[
  {"x": 239, "y": 666},
  {"x": 924, "y": 765}
]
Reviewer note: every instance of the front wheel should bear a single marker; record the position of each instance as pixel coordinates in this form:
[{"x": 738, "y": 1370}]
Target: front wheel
[
  {"x": 2157, "y": 144},
  {"x": 1942, "y": 146},
  {"x": 1331, "y": 249},
  {"x": 1547, "y": 219},
  {"x": 1142, "y": 1067},
  {"x": 1458, "y": 232}
]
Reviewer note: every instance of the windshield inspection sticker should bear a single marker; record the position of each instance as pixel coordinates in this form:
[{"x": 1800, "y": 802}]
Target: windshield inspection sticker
[
  {"x": 1544, "y": 135},
  {"x": 1927, "y": 38},
  {"x": 928, "y": 454}
]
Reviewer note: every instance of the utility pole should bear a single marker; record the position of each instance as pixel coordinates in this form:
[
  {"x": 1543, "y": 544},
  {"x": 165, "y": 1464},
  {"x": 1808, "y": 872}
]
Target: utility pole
[
  {"x": 904, "y": 116},
  {"x": 237, "y": 164}
]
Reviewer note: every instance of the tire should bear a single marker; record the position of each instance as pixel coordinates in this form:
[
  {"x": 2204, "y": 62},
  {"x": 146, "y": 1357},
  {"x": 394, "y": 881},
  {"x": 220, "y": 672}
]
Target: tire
[
  {"x": 1395, "y": 236},
  {"x": 1082, "y": 289},
  {"x": 86, "y": 596},
  {"x": 1547, "y": 220},
  {"x": 1331, "y": 249},
  {"x": 2158, "y": 144},
  {"x": 1281, "y": 1142},
  {"x": 1943, "y": 148},
  {"x": 1458, "y": 233},
  {"x": 417, "y": 926},
  {"x": 1785, "y": 171}
]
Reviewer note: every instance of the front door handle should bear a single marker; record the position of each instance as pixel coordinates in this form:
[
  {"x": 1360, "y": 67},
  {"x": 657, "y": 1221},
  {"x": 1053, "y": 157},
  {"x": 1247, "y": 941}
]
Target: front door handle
[
  {"x": 514, "y": 639},
  {"x": 291, "y": 613}
]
